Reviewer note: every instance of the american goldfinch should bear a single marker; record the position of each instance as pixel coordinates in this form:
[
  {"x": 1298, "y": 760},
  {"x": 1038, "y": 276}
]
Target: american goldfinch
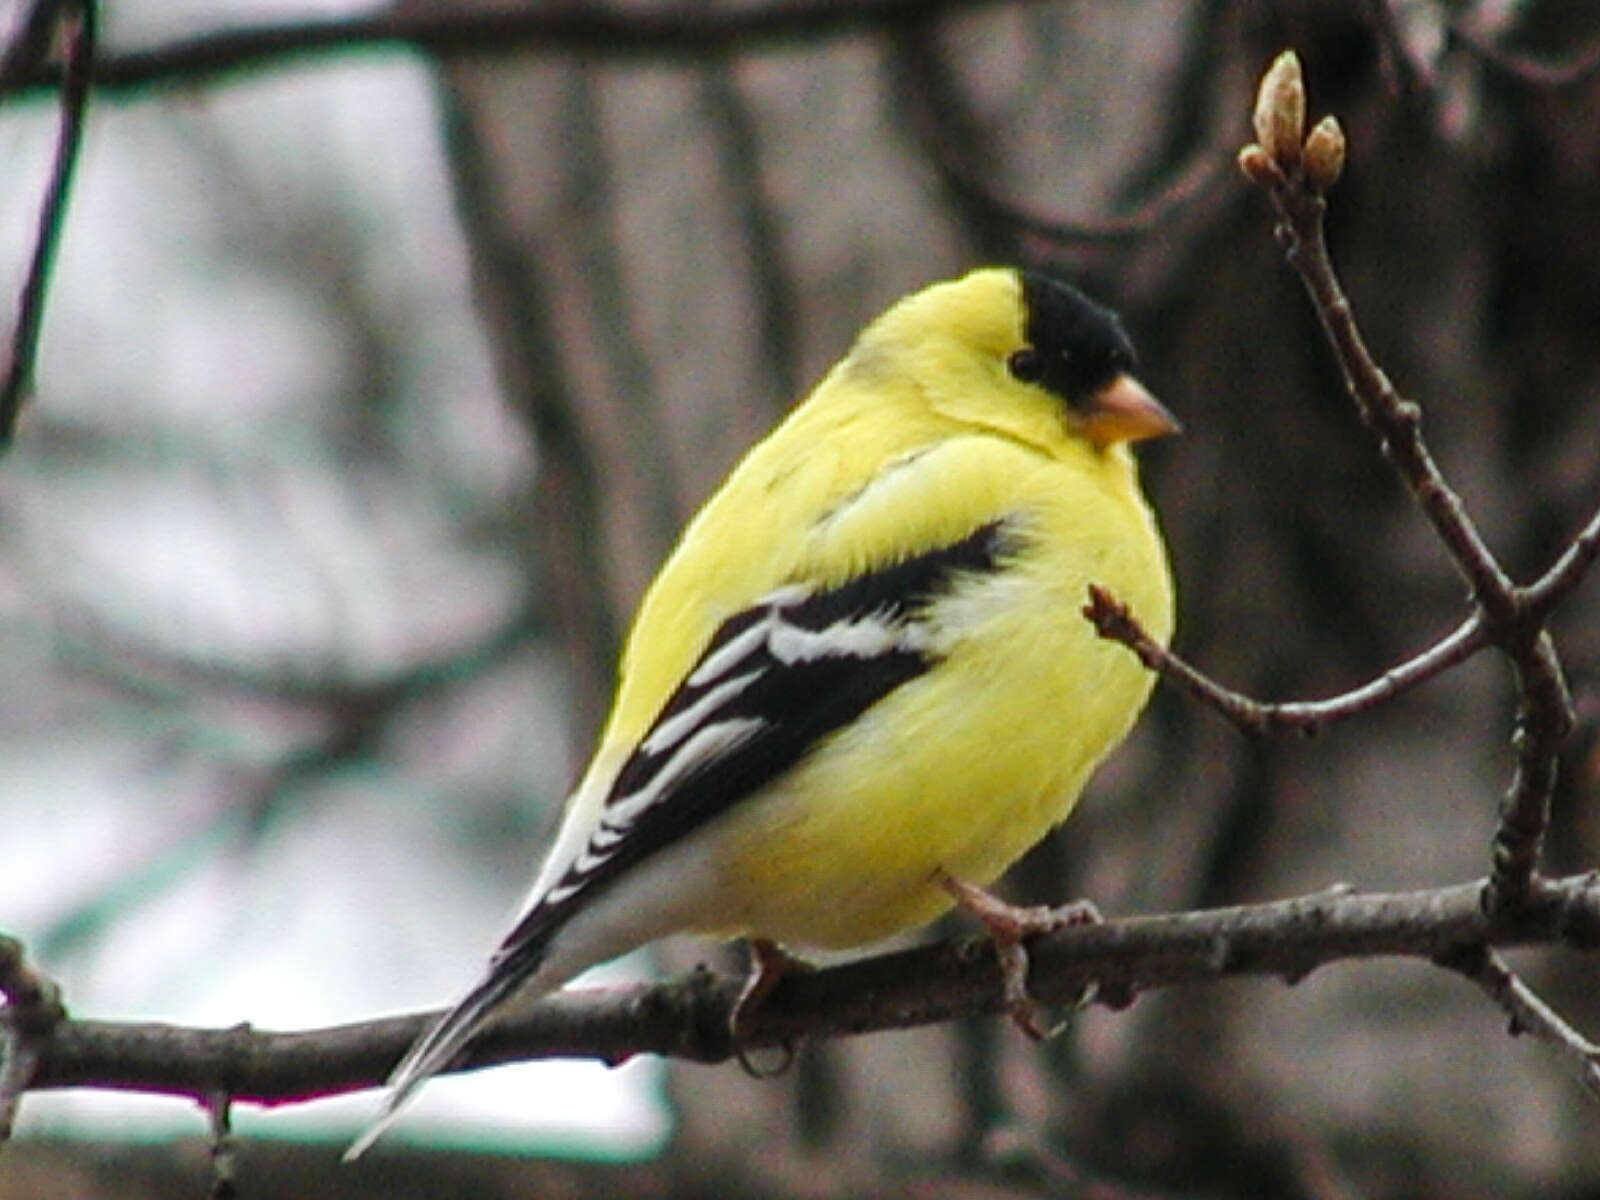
[{"x": 861, "y": 685}]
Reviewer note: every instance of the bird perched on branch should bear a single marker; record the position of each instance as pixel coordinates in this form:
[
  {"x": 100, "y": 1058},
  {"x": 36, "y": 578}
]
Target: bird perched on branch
[{"x": 861, "y": 686}]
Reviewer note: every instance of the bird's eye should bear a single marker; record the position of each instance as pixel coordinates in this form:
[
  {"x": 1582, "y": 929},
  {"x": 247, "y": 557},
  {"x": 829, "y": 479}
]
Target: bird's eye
[{"x": 1026, "y": 365}]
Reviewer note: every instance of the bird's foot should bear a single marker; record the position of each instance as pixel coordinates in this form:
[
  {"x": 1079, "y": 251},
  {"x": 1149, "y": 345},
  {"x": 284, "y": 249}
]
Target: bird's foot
[
  {"x": 769, "y": 963},
  {"x": 1009, "y": 926}
]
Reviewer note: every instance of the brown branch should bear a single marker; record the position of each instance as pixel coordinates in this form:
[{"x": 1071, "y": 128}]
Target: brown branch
[
  {"x": 687, "y": 1017},
  {"x": 1544, "y": 719},
  {"x": 963, "y": 152},
  {"x": 588, "y": 30},
  {"x": 1541, "y": 596},
  {"x": 1114, "y": 621},
  {"x": 74, "y": 22},
  {"x": 1295, "y": 169}
]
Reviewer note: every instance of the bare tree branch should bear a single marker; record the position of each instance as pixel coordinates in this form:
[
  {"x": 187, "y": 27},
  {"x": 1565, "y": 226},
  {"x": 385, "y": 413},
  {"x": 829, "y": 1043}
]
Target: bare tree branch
[
  {"x": 1192, "y": 182},
  {"x": 1535, "y": 72},
  {"x": 687, "y": 1017},
  {"x": 1295, "y": 169},
  {"x": 31, "y": 42},
  {"x": 590, "y": 30},
  {"x": 1115, "y": 621},
  {"x": 1544, "y": 719},
  {"x": 1539, "y": 597}
]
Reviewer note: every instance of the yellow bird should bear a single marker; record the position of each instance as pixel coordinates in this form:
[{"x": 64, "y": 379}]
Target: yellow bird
[{"x": 861, "y": 686}]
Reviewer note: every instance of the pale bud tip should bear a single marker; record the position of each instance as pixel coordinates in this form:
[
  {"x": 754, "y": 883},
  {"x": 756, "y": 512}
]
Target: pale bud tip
[
  {"x": 1324, "y": 153},
  {"x": 1280, "y": 114}
]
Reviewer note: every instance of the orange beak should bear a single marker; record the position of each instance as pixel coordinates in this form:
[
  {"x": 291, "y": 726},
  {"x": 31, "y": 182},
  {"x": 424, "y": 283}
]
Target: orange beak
[{"x": 1124, "y": 411}]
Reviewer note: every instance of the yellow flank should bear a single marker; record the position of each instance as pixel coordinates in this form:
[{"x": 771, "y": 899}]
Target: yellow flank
[{"x": 916, "y": 439}]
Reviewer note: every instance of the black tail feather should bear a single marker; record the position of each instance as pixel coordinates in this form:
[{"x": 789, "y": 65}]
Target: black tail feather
[{"x": 437, "y": 1049}]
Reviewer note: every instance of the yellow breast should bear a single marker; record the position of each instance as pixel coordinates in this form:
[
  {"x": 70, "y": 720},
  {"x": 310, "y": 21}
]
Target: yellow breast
[{"x": 966, "y": 767}]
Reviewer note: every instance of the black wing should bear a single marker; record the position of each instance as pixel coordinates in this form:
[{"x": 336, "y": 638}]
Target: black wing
[{"x": 774, "y": 681}]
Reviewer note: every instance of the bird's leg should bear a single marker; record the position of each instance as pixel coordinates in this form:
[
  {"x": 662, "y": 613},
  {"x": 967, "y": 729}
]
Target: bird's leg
[
  {"x": 1009, "y": 926},
  {"x": 769, "y": 963}
]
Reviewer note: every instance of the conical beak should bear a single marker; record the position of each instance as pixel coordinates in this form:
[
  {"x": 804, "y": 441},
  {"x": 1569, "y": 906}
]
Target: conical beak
[{"x": 1124, "y": 411}]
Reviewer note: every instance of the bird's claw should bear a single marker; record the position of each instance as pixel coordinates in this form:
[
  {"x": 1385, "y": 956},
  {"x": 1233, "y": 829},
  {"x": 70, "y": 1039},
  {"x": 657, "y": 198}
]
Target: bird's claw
[
  {"x": 769, "y": 963},
  {"x": 1009, "y": 926}
]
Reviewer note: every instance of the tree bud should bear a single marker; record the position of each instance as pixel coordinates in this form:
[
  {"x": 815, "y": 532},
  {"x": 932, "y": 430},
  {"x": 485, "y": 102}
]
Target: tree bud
[
  {"x": 1324, "y": 154},
  {"x": 1280, "y": 115}
]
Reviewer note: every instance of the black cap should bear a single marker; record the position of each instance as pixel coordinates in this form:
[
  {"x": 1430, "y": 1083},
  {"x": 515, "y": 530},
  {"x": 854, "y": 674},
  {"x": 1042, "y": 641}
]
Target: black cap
[{"x": 1075, "y": 346}]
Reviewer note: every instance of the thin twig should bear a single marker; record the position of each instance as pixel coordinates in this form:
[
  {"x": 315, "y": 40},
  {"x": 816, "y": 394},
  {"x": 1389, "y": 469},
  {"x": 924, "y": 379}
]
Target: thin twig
[
  {"x": 1294, "y": 170},
  {"x": 1528, "y": 1012},
  {"x": 1541, "y": 596},
  {"x": 1113, "y": 620},
  {"x": 76, "y": 24}
]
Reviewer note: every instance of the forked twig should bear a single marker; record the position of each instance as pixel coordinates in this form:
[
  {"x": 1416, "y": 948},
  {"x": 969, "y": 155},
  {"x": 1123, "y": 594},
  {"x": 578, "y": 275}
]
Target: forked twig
[
  {"x": 1113, "y": 620},
  {"x": 1295, "y": 169}
]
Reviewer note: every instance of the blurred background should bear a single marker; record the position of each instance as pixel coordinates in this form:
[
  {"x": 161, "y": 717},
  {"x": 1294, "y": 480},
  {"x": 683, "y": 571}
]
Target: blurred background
[{"x": 373, "y": 385}]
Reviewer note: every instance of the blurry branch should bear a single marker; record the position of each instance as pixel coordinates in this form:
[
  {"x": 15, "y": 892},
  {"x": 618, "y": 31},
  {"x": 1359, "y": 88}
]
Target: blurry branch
[
  {"x": 514, "y": 292},
  {"x": 71, "y": 24},
  {"x": 965, "y": 154},
  {"x": 1191, "y": 183},
  {"x": 737, "y": 140},
  {"x": 31, "y": 42},
  {"x": 1296, "y": 169},
  {"x": 96, "y": 650},
  {"x": 30, "y": 1014},
  {"x": 224, "y": 1160},
  {"x": 1416, "y": 67},
  {"x": 340, "y": 719},
  {"x": 1535, "y": 72},
  {"x": 687, "y": 1017},
  {"x": 685, "y": 30}
]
